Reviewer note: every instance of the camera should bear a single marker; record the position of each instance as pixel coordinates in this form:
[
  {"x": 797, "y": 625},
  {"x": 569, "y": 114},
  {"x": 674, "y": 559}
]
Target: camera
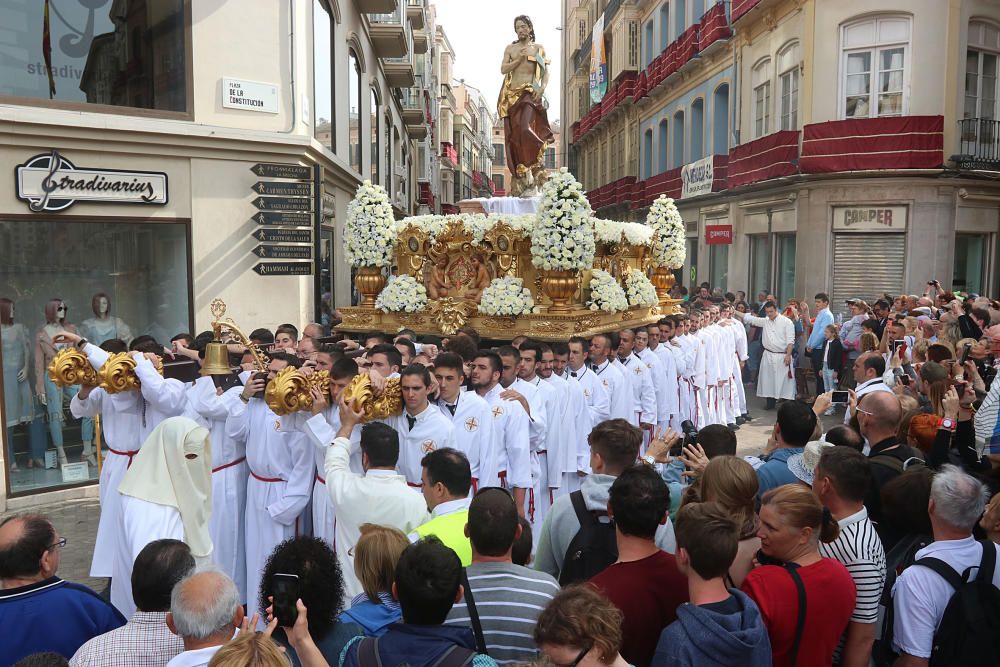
[{"x": 690, "y": 432}]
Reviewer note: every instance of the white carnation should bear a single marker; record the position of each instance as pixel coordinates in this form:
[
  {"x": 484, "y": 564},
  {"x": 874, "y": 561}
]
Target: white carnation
[
  {"x": 402, "y": 294},
  {"x": 563, "y": 214},
  {"x": 506, "y": 297},
  {"x": 668, "y": 251},
  {"x": 368, "y": 237},
  {"x": 639, "y": 289},
  {"x": 605, "y": 293}
]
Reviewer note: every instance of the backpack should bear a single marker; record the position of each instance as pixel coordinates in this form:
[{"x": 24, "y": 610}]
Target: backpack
[
  {"x": 456, "y": 656},
  {"x": 969, "y": 632},
  {"x": 900, "y": 466},
  {"x": 897, "y": 559},
  {"x": 594, "y": 546}
]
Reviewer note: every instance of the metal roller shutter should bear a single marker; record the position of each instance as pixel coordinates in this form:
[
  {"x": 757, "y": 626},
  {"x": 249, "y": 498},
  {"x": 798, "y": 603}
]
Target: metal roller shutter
[{"x": 866, "y": 265}]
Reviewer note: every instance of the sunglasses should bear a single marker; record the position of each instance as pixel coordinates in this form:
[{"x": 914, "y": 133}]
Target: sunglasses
[{"x": 576, "y": 661}]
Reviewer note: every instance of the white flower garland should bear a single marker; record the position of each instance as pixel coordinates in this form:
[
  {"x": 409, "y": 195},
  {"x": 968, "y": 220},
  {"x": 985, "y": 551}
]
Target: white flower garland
[
  {"x": 402, "y": 294},
  {"x": 476, "y": 224},
  {"x": 668, "y": 250},
  {"x": 368, "y": 235},
  {"x": 563, "y": 235},
  {"x": 605, "y": 293},
  {"x": 506, "y": 296},
  {"x": 613, "y": 231},
  {"x": 639, "y": 290}
]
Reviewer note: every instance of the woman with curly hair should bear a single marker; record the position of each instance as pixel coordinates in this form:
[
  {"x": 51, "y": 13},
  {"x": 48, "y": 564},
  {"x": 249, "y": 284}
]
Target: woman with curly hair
[
  {"x": 321, "y": 589},
  {"x": 580, "y": 627}
]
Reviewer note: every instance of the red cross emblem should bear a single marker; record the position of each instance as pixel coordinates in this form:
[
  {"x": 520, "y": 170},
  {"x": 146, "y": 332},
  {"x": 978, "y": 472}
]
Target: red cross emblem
[
  {"x": 586, "y": 392},
  {"x": 427, "y": 446},
  {"x": 277, "y": 424},
  {"x": 497, "y": 411},
  {"x": 638, "y": 371},
  {"x": 471, "y": 424},
  {"x": 605, "y": 383}
]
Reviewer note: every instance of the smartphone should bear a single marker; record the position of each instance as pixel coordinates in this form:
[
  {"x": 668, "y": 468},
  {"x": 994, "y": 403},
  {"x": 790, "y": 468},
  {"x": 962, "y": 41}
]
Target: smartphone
[
  {"x": 286, "y": 592},
  {"x": 841, "y": 397},
  {"x": 896, "y": 344},
  {"x": 226, "y": 382},
  {"x": 965, "y": 354},
  {"x": 905, "y": 379},
  {"x": 261, "y": 375}
]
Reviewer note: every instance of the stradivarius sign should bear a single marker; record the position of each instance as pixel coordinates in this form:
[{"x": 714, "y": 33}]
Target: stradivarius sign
[{"x": 50, "y": 182}]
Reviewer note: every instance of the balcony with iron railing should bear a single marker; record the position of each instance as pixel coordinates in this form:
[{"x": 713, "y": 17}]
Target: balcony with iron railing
[{"x": 979, "y": 144}]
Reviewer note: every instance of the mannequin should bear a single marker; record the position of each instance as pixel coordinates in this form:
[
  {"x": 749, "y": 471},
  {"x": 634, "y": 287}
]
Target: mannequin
[
  {"x": 98, "y": 329},
  {"x": 103, "y": 326},
  {"x": 17, "y": 403},
  {"x": 48, "y": 393}
]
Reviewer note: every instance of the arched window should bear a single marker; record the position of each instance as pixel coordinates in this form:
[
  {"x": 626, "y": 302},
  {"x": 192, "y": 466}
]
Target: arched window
[
  {"x": 354, "y": 109},
  {"x": 679, "y": 139},
  {"x": 698, "y": 129},
  {"x": 720, "y": 120},
  {"x": 647, "y": 153},
  {"x": 761, "y": 98},
  {"x": 663, "y": 139},
  {"x": 374, "y": 150},
  {"x": 874, "y": 67},
  {"x": 664, "y": 27},
  {"x": 788, "y": 87},
  {"x": 324, "y": 128}
]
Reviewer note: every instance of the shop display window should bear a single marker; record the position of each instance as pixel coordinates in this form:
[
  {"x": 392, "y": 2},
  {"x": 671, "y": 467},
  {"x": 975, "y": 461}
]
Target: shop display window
[{"x": 104, "y": 280}]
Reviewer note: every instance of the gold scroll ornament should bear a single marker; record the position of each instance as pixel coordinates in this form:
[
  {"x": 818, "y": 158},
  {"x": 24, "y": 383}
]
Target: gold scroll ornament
[
  {"x": 71, "y": 367},
  {"x": 118, "y": 372},
  {"x": 362, "y": 395},
  {"x": 291, "y": 390}
]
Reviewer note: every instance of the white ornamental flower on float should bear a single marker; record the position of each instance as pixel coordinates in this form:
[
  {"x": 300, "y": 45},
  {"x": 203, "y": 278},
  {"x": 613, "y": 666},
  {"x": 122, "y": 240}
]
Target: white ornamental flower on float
[
  {"x": 506, "y": 297},
  {"x": 614, "y": 231},
  {"x": 369, "y": 234},
  {"x": 605, "y": 293},
  {"x": 639, "y": 289},
  {"x": 564, "y": 214},
  {"x": 402, "y": 294},
  {"x": 668, "y": 249}
]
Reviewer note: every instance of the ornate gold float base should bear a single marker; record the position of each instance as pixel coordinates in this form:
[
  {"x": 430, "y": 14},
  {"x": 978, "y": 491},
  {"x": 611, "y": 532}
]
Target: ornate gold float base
[{"x": 541, "y": 326}]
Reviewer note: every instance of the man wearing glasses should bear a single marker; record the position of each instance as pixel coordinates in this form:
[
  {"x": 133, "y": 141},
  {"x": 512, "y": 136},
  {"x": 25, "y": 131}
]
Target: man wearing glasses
[{"x": 50, "y": 614}]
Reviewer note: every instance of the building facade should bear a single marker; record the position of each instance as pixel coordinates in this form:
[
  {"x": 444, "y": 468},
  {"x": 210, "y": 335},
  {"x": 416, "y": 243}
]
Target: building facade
[
  {"x": 142, "y": 173},
  {"x": 810, "y": 146},
  {"x": 473, "y": 143}
]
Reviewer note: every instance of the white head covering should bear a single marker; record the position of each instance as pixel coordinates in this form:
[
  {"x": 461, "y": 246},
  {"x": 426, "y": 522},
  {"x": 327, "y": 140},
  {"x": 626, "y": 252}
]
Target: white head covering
[
  {"x": 174, "y": 468},
  {"x": 803, "y": 465}
]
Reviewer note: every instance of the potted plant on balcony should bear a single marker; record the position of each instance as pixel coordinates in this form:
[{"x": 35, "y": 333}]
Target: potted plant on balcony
[{"x": 368, "y": 239}]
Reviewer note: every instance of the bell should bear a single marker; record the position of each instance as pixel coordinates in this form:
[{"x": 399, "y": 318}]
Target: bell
[{"x": 216, "y": 359}]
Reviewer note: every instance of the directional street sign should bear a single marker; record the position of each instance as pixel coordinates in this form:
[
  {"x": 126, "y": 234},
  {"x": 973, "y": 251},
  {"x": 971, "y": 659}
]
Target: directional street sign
[
  {"x": 283, "y": 203},
  {"x": 283, "y": 235},
  {"x": 266, "y": 251},
  {"x": 271, "y": 170},
  {"x": 284, "y": 268},
  {"x": 282, "y": 188},
  {"x": 291, "y": 219}
]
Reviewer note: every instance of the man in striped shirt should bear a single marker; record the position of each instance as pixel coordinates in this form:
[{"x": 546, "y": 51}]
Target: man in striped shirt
[
  {"x": 507, "y": 598},
  {"x": 841, "y": 479}
]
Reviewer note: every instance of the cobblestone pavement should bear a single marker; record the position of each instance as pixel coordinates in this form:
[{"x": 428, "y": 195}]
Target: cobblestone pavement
[{"x": 77, "y": 519}]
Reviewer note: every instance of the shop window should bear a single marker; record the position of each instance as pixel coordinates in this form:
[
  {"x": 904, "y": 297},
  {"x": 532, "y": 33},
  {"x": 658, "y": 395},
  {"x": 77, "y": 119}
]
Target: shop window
[
  {"x": 354, "y": 109},
  {"x": 323, "y": 116},
  {"x": 718, "y": 266},
  {"x": 785, "y": 266},
  {"x": 760, "y": 264},
  {"x": 761, "y": 98},
  {"x": 116, "y": 280},
  {"x": 123, "y": 54},
  {"x": 691, "y": 244},
  {"x": 874, "y": 67},
  {"x": 971, "y": 262},
  {"x": 788, "y": 87},
  {"x": 325, "y": 277}
]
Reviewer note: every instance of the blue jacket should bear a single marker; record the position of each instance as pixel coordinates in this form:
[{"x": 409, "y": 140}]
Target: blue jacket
[
  {"x": 417, "y": 645},
  {"x": 52, "y": 615},
  {"x": 817, "y": 338},
  {"x": 704, "y": 638},
  {"x": 775, "y": 470},
  {"x": 373, "y": 618}
]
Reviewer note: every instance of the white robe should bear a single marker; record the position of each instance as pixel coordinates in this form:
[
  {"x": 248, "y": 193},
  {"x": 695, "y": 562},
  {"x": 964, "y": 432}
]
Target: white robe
[
  {"x": 273, "y": 507},
  {"x": 563, "y": 469},
  {"x": 226, "y": 525},
  {"x": 511, "y": 442},
  {"x": 139, "y": 523},
  {"x": 538, "y": 502},
  {"x": 472, "y": 426},
  {"x": 594, "y": 394},
  {"x": 621, "y": 400},
  {"x": 643, "y": 390},
  {"x": 775, "y": 380},
  {"x": 431, "y": 431},
  {"x": 381, "y": 497}
]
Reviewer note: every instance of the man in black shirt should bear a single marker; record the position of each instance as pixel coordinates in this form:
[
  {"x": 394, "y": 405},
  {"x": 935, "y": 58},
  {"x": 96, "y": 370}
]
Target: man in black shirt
[{"x": 879, "y": 414}]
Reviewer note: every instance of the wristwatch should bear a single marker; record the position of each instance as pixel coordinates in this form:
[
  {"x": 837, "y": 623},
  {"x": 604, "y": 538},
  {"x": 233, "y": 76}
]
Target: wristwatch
[
  {"x": 649, "y": 460},
  {"x": 944, "y": 422},
  {"x": 82, "y": 343}
]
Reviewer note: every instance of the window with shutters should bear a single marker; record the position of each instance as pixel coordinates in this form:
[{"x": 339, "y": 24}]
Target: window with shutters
[
  {"x": 874, "y": 67},
  {"x": 633, "y": 44},
  {"x": 788, "y": 87},
  {"x": 761, "y": 98},
  {"x": 981, "y": 71}
]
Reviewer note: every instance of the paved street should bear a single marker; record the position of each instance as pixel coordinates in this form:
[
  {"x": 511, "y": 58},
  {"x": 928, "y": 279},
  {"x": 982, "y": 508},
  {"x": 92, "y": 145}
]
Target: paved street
[{"x": 77, "y": 519}]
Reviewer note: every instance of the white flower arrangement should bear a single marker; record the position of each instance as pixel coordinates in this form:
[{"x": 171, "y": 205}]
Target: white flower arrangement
[
  {"x": 476, "y": 224},
  {"x": 668, "y": 250},
  {"x": 613, "y": 231},
  {"x": 368, "y": 233},
  {"x": 402, "y": 294},
  {"x": 506, "y": 297},
  {"x": 639, "y": 290},
  {"x": 563, "y": 235},
  {"x": 605, "y": 293}
]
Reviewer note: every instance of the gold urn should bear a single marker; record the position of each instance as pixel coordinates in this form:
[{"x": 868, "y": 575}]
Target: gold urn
[
  {"x": 559, "y": 287},
  {"x": 369, "y": 281},
  {"x": 663, "y": 280}
]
